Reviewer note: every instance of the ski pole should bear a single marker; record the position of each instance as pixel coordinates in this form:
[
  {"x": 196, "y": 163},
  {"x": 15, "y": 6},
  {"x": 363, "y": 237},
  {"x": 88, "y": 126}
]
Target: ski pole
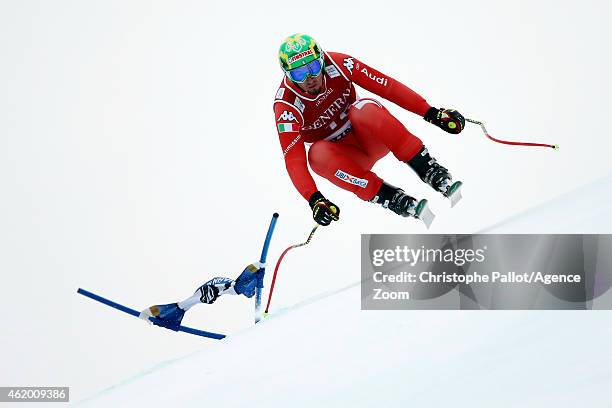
[
  {"x": 507, "y": 142},
  {"x": 279, "y": 262},
  {"x": 262, "y": 260}
]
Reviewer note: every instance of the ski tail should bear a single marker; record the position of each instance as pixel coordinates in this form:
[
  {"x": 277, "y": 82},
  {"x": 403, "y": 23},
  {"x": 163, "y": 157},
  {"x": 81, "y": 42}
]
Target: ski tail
[
  {"x": 454, "y": 193},
  {"x": 424, "y": 214}
]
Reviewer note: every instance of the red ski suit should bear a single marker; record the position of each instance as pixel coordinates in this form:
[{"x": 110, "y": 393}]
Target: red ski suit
[{"x": 348, "y": 135}]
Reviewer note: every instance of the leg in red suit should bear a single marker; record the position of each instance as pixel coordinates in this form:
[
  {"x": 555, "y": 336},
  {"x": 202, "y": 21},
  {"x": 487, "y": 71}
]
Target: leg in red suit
[{"x": 347, "y": 162}]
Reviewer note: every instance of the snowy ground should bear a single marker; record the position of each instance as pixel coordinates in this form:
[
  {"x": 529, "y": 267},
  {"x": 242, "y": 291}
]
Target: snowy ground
[
  {"x": 330, "y": 353},
  {"x": 325, "y": 351}
]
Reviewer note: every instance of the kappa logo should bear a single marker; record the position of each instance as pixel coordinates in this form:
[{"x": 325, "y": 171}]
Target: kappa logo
[
  {"x": 349, "y": 64},
  {"x": 351, "y": 179},
  {"x": 287, "y": 116},
  {"x": 382, "y": 81}
]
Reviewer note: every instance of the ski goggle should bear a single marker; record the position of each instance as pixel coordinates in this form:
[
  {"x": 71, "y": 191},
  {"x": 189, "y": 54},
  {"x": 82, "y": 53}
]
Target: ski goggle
[{"x": 300, "y": 74}]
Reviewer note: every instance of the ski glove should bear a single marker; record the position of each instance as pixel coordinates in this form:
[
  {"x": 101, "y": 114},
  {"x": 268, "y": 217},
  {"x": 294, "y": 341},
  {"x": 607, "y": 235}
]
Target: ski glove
[
  {"x": 208, "y": 293},
  {"x": 323, "y": 210},
  {"x": 448, "y": 120}
]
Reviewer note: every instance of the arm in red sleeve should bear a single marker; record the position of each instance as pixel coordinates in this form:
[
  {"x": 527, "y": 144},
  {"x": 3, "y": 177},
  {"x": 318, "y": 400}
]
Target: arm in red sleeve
[
  {"x": 288, "y": 123},
  {"x": 380, "y": 84}
]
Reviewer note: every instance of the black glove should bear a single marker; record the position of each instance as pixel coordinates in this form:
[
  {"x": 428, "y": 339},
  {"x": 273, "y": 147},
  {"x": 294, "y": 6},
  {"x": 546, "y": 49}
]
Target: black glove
[
  {"x": 323, "y": 210},
  {"x": 448, "y": 120},
  {"x": 209, "y": 293}
]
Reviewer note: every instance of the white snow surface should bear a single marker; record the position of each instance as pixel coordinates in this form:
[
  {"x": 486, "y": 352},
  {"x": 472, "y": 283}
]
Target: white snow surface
[
  {"x": 585, "y": 210},
  {"x": 326, "y": 351}
]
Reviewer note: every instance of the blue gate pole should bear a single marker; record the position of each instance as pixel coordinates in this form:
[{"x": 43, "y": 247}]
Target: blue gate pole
[{"x": 262, "y": 259}]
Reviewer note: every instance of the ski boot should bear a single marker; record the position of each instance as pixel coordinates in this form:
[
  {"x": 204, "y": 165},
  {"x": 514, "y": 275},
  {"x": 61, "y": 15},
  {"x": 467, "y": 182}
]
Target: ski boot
[
  {"x": 402, "y": 204},
  {"x": 168, "y": 316},
  {"x": 438, "y": 177}
]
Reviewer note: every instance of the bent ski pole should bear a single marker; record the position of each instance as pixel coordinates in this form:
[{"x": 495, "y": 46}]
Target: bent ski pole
[
  {"x": 262, "y": 260},
  {"x": 279, "y": 262},
  {"x": 507, "y": 142}
]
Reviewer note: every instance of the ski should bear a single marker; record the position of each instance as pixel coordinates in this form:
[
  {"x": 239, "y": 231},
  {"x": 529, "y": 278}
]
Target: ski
[{"x": 134, "y": 313}]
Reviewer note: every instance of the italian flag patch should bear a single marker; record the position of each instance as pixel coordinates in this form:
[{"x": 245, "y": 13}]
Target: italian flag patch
[{"x": 287, "y": 127}]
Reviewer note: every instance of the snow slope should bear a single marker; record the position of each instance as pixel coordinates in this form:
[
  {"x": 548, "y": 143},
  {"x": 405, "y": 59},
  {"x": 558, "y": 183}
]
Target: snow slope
[
  {"x": 325, "y": 351},
  {"x": 585, "y": 210}
]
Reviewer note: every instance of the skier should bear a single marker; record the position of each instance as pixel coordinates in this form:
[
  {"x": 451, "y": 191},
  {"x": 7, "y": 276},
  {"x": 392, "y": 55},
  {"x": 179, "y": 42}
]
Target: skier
[
  {"x": 171, "y": 315},
  {"x": 316, "y": 104}
]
